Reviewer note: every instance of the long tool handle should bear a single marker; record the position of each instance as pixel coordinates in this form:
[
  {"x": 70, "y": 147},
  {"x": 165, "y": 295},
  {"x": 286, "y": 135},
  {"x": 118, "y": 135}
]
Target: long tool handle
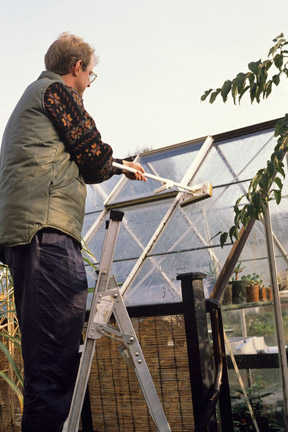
[{"x": 167, "y": 182}]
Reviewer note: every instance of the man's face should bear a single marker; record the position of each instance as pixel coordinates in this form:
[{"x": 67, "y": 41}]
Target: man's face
[{"x": 83, "y": 79}]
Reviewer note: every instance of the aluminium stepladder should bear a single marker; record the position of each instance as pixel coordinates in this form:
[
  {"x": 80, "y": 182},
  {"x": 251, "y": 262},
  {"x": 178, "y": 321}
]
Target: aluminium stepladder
[{"x": 107, "y": 299}]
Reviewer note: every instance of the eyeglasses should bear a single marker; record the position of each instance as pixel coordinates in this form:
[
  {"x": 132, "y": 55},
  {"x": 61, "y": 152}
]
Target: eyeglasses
[{"x": 92, "y": 77}]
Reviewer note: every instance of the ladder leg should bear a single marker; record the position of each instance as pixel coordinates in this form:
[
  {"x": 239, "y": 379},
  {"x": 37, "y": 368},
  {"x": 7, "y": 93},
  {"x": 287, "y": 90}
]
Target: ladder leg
[
  {"x": 72, "y": 424},
  {"x": 140, "y": 366},
  {"x": 105, "y": 266}
]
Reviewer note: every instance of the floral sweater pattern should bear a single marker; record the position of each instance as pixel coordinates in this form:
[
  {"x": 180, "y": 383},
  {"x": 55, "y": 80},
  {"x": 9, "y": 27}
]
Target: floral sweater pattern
[{"x": 79, "y": 134}]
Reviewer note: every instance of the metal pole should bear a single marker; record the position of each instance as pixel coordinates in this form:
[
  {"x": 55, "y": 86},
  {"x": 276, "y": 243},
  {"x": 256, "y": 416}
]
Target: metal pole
[
  {"x": 169, "y": 183},
  {"x": 277, "y": 311}
]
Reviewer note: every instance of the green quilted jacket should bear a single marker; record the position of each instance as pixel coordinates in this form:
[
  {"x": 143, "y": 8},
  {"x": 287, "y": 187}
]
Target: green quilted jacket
[{"x": 40, "y": 185}]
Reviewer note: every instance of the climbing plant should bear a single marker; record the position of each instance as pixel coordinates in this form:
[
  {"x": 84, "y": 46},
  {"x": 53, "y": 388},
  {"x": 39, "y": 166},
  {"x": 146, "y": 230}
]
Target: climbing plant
[{"x": 258, "y": 83}]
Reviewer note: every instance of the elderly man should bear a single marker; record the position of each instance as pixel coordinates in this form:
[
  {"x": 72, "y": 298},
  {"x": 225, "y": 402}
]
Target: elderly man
[{"x": 50, "y": 149}]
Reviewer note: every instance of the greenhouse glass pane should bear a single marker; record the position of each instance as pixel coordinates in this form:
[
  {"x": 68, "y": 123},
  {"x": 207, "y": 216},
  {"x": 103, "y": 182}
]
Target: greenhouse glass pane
[
  {"x": 95, "y": 242},
  {"x": 279, "y": 221},
  {"x": 93, "y": 200},
  {"x": 91, "y": 276},
  {"x": 137, "y": 227},
  {"x": 193, "y": 226},
  {"x": 97, "y": 193},
  {"x": 156, "y": 281},
  {"x": 224, "y": 163},
  {"x": 254, "y": 254},
  {"x": 171, "y": 164},
  {"x": 282, "y": 275},
  {"x": 120, "y": 270},
  {"x": 284, "y": 306},
  {"x": 89, "y": 219}
]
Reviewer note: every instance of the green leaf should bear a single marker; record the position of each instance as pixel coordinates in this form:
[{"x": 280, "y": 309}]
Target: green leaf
[
  {"x": 277, "y": 194},
  {"x": 240, "y": 81},
  {"x": 267, "y": 88},
  {"x": 271, "y": 168},
  {"x": 267, "y": 64},
  {"x": 226, "y": 89},
  {"x": 216, "y": 235},
  {"x": 259, "y": 91},
  {"x": 206, "y": 94},
  {"x": 280, "y": 170},
  {"x": 279, "y": 154},
  {"x": 236, "y": 209},
  {"x": 262, "y": 76},
  {"x": 243, "y": 92},
  {"x": 233, "y": 233},
  {"x": 254, "y": 66},
  {"x": 245, "y": 218},
  {"x": 250, "y": 77},
  {"x": 238, "y": 202},
  {"x": 255, "y": 182},
  {"x": 253, "y": 89},
  {"x": 214, "y": 95},
  {"x": 278, "y": 37},
  {"x": 12, "y": 362},
  {"x": 223, "y": 238},
  {"x": 14, "y": 388},
  {"x": 234, "y": 91},
  {"x": 280, "y": 126},
  {"x": 237, "y": 219},
  {"x": 272, "y": 51},
  {"x": 249, "y": 210},
  {"x": 256, "y": 201},
  {"x": 264, "y": 182},
  {"x": 278, "y": 61},
  {"x": 276, "y": 79},
  {"x": 16, "y": 340}
]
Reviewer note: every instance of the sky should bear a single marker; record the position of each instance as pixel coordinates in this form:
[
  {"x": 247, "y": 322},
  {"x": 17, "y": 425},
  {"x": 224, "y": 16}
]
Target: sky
[{"x": 157, "y": 57}]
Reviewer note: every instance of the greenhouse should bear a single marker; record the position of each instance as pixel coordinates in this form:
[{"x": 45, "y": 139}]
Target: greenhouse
[{"x": 170, "y": 268}]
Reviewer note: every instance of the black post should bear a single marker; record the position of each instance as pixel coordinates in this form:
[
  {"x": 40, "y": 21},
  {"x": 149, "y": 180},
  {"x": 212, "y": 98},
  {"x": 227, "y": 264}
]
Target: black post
[
  {"x": 198, "y": 346},
  {"x": 221, "y": 363}
]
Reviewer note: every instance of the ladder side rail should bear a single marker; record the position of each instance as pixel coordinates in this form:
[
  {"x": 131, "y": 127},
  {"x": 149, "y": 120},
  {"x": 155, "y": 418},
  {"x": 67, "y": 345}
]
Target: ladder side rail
[{"x": 72, "y": 423}]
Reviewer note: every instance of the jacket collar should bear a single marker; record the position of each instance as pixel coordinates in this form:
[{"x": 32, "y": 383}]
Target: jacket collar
[{"x": 51, "y": 75}]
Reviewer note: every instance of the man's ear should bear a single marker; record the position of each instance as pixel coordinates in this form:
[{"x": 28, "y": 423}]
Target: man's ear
[{"x": 76, "y": 68}]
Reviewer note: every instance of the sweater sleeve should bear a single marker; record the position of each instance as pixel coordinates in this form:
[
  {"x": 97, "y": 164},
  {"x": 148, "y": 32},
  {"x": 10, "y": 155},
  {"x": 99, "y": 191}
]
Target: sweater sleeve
[{"x": 79, "y": 133}]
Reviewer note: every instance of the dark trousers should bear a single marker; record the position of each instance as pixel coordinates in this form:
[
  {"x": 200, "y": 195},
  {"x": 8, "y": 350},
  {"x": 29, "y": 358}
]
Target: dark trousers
[{"x": 50, "y": 289}]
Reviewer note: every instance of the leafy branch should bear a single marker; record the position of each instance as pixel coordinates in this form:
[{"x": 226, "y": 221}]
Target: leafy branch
[{"x": 258, "y": 83}]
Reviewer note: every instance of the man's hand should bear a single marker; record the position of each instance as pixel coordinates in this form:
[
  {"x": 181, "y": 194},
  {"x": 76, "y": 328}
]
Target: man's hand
[{"x": 138, "y": 175}]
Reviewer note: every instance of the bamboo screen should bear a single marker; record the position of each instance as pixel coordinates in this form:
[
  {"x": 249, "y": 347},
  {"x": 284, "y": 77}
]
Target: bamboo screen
[
  {"x": 10, "y": 415},
  {"x": 117, "y": 402}
]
